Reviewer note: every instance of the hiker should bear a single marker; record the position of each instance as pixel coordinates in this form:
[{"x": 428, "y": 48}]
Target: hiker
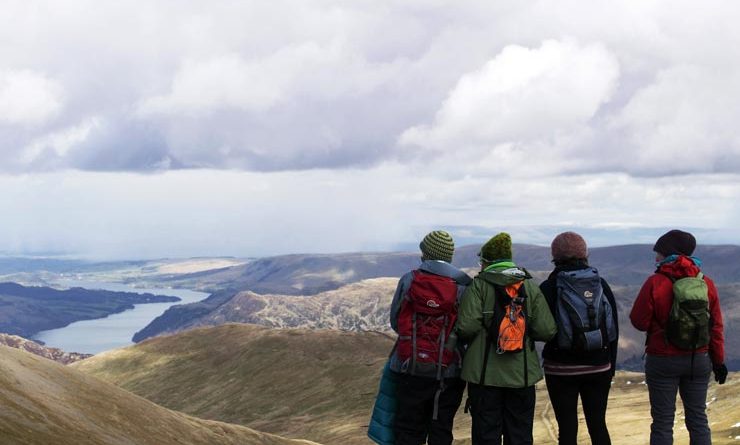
[
  {"x": 426, "y": 355},
  {"x": 580, "y": 360},
  {"x": 501, "y": 314},
  {"x": 679, "y": 308}
]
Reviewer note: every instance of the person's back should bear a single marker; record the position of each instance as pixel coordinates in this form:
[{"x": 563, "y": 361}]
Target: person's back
[
  {"x": 573, "y": 367},
  {"x": 672, "y": 367},
  {"x": 426, "y": 356},
  {"x": 501, "y": 314}
]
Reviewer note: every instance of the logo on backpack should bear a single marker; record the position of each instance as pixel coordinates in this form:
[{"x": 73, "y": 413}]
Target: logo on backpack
[
  {"x": 584, "y": 315},
  {"x": 425, "y": 323},
  {"x": 688, "y": 321}
]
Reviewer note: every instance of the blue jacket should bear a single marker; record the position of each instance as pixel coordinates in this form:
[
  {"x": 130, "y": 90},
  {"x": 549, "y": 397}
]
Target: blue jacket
[{"x": 380, "y": 429}]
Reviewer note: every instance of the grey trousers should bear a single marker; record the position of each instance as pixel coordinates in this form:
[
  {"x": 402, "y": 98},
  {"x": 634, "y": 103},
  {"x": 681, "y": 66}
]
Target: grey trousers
[{"x": 665, "y": 376}]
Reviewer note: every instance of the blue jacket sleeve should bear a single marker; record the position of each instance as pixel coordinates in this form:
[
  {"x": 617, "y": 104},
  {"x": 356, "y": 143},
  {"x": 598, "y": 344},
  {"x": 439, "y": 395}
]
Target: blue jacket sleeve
[{"x": 401, "y": 289}]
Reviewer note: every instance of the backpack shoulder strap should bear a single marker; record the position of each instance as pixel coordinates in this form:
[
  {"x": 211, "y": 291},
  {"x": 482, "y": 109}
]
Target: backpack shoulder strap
[{"x": 489, "y": 330}]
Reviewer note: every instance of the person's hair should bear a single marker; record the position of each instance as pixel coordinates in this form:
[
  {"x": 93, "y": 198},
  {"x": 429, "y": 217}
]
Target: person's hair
[{"x": 571, "y": 262}]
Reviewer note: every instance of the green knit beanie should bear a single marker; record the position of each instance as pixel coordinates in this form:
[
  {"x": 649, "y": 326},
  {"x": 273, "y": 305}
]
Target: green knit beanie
[
  {"x": 437, "y": 245},
  {"x": 497, "y": 248}
]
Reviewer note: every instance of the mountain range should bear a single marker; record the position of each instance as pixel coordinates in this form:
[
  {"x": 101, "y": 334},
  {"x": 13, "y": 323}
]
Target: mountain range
[
  {"x": 282, "y": 291},
  {"x": 308, "y": 274}
]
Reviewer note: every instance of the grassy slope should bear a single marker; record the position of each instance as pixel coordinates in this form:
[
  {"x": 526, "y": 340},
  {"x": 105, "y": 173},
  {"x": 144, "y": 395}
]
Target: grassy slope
[
  {"x": 319, "y": 385},
  {"x": 46, "y": 403},
  {"x": 315, "y": 385}
]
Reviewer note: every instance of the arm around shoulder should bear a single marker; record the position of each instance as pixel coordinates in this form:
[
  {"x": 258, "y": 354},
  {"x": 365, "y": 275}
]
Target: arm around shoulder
[
  {"x": 541, "y": 323},
  {"x": 470, "y": 314}
]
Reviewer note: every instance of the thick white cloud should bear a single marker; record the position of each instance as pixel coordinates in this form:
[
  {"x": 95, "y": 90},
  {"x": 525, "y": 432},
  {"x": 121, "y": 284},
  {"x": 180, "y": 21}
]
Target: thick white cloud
[
  {"x": 520, "y": 104},
  {"x": 523, "y": 95},
  {"x": 28, "y": 97}
]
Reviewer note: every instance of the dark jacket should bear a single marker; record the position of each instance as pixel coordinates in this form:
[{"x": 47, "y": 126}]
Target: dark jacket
[
  {"x": 653, "y": 304},
  {"x": 553, "y": 352}
]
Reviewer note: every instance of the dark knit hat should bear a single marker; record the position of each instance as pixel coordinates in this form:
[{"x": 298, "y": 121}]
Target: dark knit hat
[
  {"x": 675, "y": 242},
  {"x": 569, "y": 246},
  {"x": 497, "y": 248},
  {"x": 437, "y": 245}
]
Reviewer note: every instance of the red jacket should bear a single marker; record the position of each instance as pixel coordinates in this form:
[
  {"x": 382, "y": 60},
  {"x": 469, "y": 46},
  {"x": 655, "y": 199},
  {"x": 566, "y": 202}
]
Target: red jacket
[{"x": 653, "y": 303}]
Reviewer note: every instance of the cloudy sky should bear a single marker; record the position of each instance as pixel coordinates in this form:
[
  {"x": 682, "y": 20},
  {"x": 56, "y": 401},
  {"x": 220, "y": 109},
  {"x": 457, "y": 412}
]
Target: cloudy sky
[{"x": 249, "y": 128}]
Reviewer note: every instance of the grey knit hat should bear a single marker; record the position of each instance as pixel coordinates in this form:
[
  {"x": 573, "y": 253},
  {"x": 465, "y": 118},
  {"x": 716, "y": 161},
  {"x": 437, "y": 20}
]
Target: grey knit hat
[{"x": 437, "y": 245}]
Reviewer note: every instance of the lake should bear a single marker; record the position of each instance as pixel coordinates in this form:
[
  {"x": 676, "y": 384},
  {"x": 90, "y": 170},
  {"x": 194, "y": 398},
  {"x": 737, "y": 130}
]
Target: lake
[{"x": 116, "y": 330}]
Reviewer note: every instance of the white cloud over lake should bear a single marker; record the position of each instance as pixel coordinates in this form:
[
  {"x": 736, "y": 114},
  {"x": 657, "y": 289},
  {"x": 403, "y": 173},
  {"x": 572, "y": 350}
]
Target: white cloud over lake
[{"x": 600, "y": 114}]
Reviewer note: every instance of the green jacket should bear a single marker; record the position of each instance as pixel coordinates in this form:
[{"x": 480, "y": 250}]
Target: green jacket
[{"x": 476, "y": 309}]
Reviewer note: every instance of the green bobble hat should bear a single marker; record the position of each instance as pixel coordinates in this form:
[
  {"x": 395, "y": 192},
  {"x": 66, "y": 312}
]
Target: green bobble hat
[
  {"x": 437, "y": 245},
  {"x": 497, "y": 248}
]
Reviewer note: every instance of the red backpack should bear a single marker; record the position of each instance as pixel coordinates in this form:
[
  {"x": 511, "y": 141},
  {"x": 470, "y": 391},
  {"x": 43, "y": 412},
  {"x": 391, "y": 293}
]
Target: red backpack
[{"x": 425, "y": 321}]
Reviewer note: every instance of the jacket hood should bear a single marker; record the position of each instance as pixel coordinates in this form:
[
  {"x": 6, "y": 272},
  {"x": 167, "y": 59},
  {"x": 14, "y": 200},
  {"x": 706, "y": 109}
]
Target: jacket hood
[
  {"x": 567, "y": 268},
  {"x": 681, "y": 267},
  {"x": 446, "y": 270},
  {"x": 504, "y": 274}
]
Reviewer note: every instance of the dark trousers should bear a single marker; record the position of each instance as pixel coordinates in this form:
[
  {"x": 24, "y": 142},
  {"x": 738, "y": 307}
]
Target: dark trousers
[
  {"x": 501, "y": 411},
  {"x": 666, "y": 376},
  {"x": 594, "y": 392},
  {"x": 414, "y": 424}
]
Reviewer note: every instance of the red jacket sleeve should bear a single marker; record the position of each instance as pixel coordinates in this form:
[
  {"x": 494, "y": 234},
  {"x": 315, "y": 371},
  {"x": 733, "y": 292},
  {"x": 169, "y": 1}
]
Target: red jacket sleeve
[
  {"x": 642, "y": 309},
  {"x": 716, "y": 335}
]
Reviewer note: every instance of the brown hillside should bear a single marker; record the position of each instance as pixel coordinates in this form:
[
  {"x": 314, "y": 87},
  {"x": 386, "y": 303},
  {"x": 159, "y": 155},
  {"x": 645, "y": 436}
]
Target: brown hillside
[
  {"x": 320, "y": 385},
  {"x": 46, "y": 403},
  {"x": 316, "y": 385},
  {"x": 361, "y": 306}
]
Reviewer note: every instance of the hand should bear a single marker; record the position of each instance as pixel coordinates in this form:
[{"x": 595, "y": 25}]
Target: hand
[{"x": 720, "y": 373}]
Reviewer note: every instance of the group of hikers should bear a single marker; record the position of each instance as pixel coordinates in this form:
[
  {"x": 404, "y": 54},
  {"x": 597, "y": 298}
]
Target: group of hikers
[{"x": 454, "y": 331}]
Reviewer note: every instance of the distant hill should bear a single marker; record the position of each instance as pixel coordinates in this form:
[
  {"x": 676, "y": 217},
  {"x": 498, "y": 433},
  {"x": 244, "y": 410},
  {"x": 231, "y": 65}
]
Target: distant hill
[
  {"x": 309, "y": 274},
  {"x": 55, "y": 354},
  {"x": 360, "y": 306},
  {"x": 320, "y": 385},
  {"x": 45, "y": 403},
  {"x": 299, "y": 274},
  {"x": 25, "y": 311}
]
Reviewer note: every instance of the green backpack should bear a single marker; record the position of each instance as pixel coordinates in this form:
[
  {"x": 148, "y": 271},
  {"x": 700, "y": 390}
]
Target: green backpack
[{"x": 688, "y": 321}]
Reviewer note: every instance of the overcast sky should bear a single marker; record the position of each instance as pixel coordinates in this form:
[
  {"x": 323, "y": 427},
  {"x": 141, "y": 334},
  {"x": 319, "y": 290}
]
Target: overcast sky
[{"x": 250, "y": 128}]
